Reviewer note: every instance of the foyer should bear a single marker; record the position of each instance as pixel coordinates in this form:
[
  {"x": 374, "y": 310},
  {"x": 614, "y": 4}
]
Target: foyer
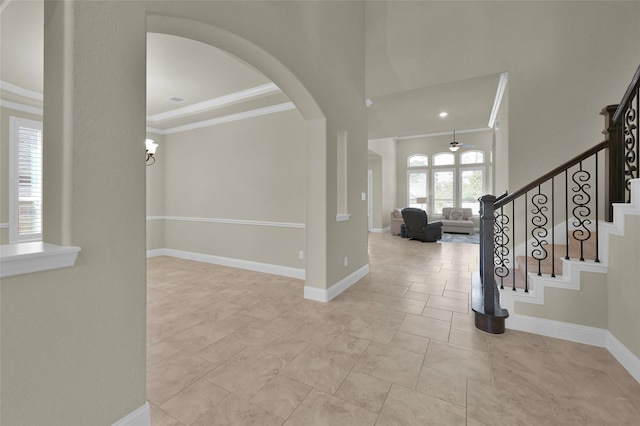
[{"x": 228, "y": 346}]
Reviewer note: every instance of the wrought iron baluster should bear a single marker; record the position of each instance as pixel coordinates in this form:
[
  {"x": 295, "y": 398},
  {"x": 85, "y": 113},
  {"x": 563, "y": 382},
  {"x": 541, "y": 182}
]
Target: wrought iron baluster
[
  {"x": 501, "y": 239},
  {"x": 539, "y": 232},
  {"x": 566, "y": 211},
  {"x": 597, "y": 259},
  {"x": 553, "y": 229},
  {"x": 631, "y": 150},
  {"x": 637, "y": 147},
  {"x": 526, "y": 244},
  {"x": 513, "y": 244},
  {"x": 581, "y": 210}
]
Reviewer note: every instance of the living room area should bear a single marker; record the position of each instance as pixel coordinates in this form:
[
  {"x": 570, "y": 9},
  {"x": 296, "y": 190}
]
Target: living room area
[{"x": 438, "y": 149}]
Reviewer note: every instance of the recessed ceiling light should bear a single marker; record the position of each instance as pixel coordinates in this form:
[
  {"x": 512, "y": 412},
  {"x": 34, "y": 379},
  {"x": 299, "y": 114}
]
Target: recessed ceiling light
[
  {"x": 443, "y": 114},
  {"x": 176, "y": 99}
]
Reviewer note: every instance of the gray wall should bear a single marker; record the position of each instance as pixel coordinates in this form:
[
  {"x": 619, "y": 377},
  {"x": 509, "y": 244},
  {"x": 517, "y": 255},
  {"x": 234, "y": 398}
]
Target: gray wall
[
  {"x": 623, "y": 290},
  {"x": 385, "y": 182},
  {"x": 250, "y": 170},
  {"x": 562, "y": 70},
  {"x": 73, "y": 340}
]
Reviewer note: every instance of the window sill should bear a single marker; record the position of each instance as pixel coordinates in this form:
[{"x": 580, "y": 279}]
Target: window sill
[
  {"x": 24, "y": 258},
  {"x": 343, "y": 217}
]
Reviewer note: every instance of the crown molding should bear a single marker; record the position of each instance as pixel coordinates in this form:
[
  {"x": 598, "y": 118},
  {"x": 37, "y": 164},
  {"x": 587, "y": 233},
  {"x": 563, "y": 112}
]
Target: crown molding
[
  {"x": 21, "y": 107},
  {"x": 229, "y": 118},
  {"x": 216, "y": 102},
  {"x": 5, "y": 85},
  {"x": 502, "y": 85},
  {"x": 430, "y": 135},
  {"x": 156, "y": 131}
]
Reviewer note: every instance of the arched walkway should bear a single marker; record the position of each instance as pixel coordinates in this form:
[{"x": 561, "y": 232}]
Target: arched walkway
[{"x": 315, "y": 226}]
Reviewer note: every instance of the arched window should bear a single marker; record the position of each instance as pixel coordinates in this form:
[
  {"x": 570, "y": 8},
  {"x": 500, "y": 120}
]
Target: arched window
[
  {"x": 448, "y": 179},
  {"x": 472, "y": 157},
  {"x": 444, "y": 159},
  {"x": 418, "y": 160}
]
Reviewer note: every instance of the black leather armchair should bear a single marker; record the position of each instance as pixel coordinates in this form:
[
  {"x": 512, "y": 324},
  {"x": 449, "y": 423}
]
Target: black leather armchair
[{"x": 417, "y": 226}]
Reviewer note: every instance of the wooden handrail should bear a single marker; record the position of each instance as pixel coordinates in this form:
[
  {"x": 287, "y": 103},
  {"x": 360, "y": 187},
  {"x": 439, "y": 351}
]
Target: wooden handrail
[
  {"x": 588, "y": 153},
  {"x": 627, "y": 95}
]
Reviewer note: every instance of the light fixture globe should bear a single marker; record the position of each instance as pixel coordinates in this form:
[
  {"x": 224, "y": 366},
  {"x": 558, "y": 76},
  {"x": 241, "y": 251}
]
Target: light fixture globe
[{"x": 454, "y": 145}]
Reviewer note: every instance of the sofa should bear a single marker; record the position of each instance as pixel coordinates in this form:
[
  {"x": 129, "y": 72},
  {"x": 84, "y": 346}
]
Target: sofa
[
  {"x": 458, "y": 220},
  {"x": 396, "y": 221},
  {"x": 418, "y": 227}
]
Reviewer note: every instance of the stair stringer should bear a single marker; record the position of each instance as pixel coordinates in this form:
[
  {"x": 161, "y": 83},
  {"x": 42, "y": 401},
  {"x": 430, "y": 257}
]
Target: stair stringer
[{"x": 570, "y": 281}]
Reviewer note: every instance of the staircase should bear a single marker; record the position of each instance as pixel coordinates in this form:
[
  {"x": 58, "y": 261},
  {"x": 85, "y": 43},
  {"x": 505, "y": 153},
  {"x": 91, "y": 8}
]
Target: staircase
[
  {"x": 568, "y": 273},
  {"x": 546, "y": 234},
  {"x": 552, "y": 266}
]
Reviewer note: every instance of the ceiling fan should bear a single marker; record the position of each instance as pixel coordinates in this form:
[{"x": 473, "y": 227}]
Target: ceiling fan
[{"x": 455, "y": 145}]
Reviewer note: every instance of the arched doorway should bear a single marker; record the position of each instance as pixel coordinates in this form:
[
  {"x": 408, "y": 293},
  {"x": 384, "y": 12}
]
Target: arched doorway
[{"x": 315, "y": 223}]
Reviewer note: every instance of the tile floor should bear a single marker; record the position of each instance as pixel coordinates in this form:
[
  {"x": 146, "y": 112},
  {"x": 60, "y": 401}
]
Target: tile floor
[{"x": 234, "y": 347}]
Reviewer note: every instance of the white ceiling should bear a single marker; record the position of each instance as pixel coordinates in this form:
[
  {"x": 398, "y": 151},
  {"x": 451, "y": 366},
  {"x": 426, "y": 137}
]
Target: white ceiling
[
  {"x": 413, "y": 112},
  {"x": 215, "y": 84}
]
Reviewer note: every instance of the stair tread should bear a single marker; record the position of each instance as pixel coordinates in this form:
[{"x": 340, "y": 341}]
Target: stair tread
[
  {"x": 558, "y": 252},
  {"x": 588, "y": 253}
]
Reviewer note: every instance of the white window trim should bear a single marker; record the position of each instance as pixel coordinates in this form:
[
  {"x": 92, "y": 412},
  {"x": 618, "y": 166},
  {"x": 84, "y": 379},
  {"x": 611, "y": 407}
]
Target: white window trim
[
  {"x": 421, "y": 169},
  {"x": 448, "y": 168},
  {"x": 457, "y": 167},
  {"x": 409, "y": 166},
  {"x": 24, "y": 257},
  {"x": 342, "y": 217},
  {"x": 445, "y": 153},
  {"x": 14, "y": 124},
  {"x": 473, "y": 166},
  {"x": 36, "y": 256},
  {"x": 484, "y": 156}
]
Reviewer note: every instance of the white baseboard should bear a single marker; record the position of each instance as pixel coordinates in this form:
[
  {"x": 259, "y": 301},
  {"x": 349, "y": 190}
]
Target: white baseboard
[
  {"x": 580, "y": 334},
  {"x": 380, "y": 230},
  {"x": 139, "y": 417},
  {"x": 560, "y": 330},
  {"x": 624, "y": 356},
  {"x": 325, "y": 295},
  {"x": 249, "y": 265},
  {"x": 156, "y": 253}
]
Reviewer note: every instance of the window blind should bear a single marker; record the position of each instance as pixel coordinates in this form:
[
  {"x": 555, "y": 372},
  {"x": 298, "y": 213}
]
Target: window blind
[{"x": 27, "y": 193}]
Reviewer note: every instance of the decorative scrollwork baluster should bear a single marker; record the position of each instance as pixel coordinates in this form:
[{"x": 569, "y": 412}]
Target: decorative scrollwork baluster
[
  {"x": 501, "y": 249},
  {"x": 630, "y": 148},
  {"x": 539, "y": 232},
  {"x": 581, "y": 209}
]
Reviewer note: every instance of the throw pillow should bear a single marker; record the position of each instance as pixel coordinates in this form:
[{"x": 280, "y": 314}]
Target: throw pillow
[
  {"x": 397, "y": 213},
  {"x": 456, "y": 214}
]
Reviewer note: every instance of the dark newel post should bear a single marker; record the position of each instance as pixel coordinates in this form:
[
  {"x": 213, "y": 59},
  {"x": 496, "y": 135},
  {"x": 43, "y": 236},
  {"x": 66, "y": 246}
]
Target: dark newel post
[
  {"x": 485, "y": 296},
  {"x": 481, "y": 243},
  {"x": 614, "y": 188},
  {"x": 486, "y": 260}
]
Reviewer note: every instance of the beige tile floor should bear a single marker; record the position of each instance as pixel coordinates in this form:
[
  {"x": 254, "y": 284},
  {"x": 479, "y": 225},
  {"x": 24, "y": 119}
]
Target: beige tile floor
[{"x": 234, "y": 347}]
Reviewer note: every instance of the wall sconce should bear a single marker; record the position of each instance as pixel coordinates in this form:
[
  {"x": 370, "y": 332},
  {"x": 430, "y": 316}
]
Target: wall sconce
[{"x": 151, "y": 150}]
